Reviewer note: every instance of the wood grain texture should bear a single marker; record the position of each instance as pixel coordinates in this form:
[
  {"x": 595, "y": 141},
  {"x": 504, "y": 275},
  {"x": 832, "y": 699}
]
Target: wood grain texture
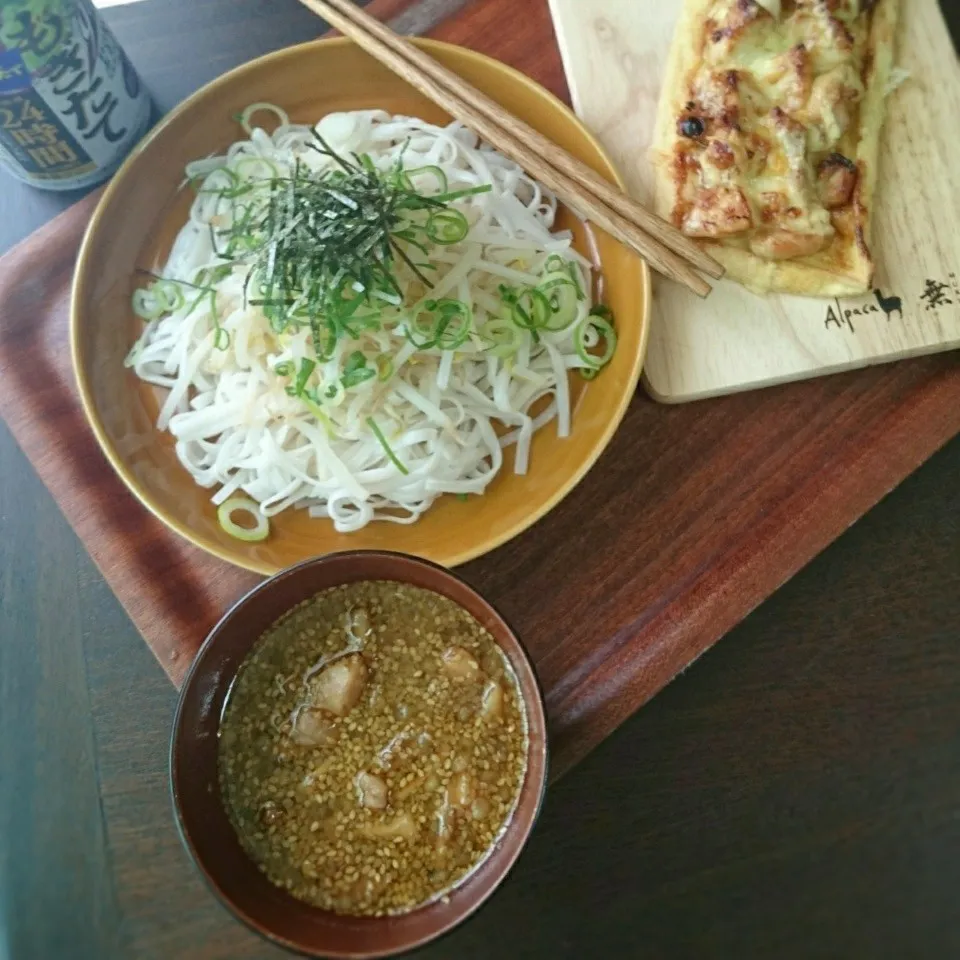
[
  {"x": 691, "y": 517},
  {"x": 574, "y": 182},
  {"x": 793, "y": 796},
  {"x": 615, "y": 53}
]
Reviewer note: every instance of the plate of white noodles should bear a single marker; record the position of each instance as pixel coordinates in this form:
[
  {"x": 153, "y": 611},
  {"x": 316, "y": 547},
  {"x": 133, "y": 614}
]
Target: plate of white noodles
[{"x": 313, "y": 313}]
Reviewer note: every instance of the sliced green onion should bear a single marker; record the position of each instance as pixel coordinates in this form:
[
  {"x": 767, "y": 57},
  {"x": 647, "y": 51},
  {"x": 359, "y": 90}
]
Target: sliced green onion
[
  {"x": 335, "y": 393},
  {"x": 448, "y": 325},
  {"x": 229, "y": 174},
  {"x": 561, "y": 293},
  {"x": 224, "y": 172},
  {"x": 588, "y": 373},
  {"x": 221, "y": 338},
  {"x": 503, "y": 336},
  {"x": 206, "y": 293},
  {"x": 576, "y": 277},
  {"x": 206, "y": 276},
  {"x": 261, "y": 529},
  {"x": 284, "y": 369},
  {"x": 145, "y": 305},
  {"x": 447, "y": 226},
  {"x": 414, "y": 329},
  {"x": 356, "y": 371},
  {"x": 253, "y": 164},
  {"x": 324, "y": 347},
  {"x": 406, "y": 178},
  {"x": 303, "y": 375},
  {"x": 231, "y": 192},
  {"x": 357, "y": 377},
  {"x": 355, "y": 361},
  {"x": 307, "y": 367},
  {"x": 170, "y": 294},
  {"x": 453, "y": 328},
  {"x": 604, "y": 331},
  {"x": 247, "y": 115},
  {"x": 164, "y": 296},
  {"x": 529, "y": 308},
  {"x": 555, "y": 263},
  {"x": 459, "y": 194},
  {"x": 386, "y": 446}
]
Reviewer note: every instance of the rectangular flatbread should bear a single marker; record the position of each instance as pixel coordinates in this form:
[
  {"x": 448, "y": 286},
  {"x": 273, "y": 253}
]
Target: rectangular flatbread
[{"x": 767, "y": 137}]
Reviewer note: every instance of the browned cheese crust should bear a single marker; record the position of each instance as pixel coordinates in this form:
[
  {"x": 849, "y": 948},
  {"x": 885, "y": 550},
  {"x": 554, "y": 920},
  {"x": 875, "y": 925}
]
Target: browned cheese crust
[{"x": 768, "y": 133}]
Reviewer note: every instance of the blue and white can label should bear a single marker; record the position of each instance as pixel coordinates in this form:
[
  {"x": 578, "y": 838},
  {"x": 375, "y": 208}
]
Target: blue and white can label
[{"x": 71, "y": 104}]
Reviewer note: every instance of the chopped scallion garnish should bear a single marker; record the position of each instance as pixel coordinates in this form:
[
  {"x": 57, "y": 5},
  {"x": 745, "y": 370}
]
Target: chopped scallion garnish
[
  {"x": 261, "y": 525},
  {"x": 387, "y": 449}
]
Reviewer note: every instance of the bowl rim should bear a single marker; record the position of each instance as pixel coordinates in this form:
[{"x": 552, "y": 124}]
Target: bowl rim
[
  {"x": 194, "y": 672},
  {"x": 83, "y": 271}
]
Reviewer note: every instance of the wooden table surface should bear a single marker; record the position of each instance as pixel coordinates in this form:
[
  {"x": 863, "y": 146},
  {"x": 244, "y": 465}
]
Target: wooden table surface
[{"x": 795, "y": 794}]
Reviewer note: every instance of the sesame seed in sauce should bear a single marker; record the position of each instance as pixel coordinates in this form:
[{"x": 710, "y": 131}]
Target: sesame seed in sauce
[{"x": 362, "y": 774}]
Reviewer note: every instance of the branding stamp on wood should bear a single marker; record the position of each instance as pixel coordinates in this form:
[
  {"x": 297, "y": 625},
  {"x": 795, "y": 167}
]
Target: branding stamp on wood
[{"x": 937, "y": 294}]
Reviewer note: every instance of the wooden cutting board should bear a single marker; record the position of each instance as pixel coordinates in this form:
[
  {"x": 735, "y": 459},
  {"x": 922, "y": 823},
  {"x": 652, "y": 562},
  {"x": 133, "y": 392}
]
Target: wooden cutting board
[
  {"x": 614, "y": 52},
  {"x": 693, "y": 515}
]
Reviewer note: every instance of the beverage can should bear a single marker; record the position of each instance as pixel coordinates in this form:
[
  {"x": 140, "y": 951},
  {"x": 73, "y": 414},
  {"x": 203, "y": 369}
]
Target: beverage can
[{"x": 71, "y": 104}]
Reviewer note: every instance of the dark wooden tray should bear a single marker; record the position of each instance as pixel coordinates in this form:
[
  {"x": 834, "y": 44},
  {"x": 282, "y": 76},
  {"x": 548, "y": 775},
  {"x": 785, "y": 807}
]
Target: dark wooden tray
[{"x": 693, "y": 516}]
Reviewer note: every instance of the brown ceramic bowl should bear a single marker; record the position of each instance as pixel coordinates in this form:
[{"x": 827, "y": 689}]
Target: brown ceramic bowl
[
  {"x": 207, "y": 833},
  {"x": 145, "y": 205}
]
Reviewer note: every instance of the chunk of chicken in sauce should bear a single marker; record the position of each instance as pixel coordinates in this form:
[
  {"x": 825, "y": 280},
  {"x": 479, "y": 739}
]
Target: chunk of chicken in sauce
[
  {"x": 491, "y": 702},
  {"x": 461, "y": 791},
  {"x": 460, "y": 664},
  {"x": 444, "y": 826},
  {"x": 372, "y": 791},
  {"x": 312, "y": 727},
  {"x": 338, "y": 686},
  {"x": 358, "y": 624},
  {"x": 402, "y": 826}
]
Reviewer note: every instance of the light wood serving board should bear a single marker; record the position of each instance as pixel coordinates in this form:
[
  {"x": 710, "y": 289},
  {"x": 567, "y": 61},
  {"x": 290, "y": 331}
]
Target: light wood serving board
[
  {"x": 614, "y": 52},
  {"x": 692, "y": 516}
]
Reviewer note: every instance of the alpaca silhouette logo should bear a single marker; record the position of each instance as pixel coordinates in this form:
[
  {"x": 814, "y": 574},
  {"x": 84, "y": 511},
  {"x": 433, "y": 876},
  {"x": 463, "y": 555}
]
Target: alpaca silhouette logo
[
  {"x": 842, "y": 315},
  {"x": 889, "y": 305}
]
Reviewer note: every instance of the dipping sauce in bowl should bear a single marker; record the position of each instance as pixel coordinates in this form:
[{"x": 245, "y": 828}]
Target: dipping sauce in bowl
[
  {"x": 372, "y": 748},
  {"x": 359, "y": 754}
]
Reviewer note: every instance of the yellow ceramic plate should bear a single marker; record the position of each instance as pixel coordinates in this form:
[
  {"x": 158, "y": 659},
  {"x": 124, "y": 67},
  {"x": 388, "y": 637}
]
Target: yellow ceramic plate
[{"x": 143, "y": 209}]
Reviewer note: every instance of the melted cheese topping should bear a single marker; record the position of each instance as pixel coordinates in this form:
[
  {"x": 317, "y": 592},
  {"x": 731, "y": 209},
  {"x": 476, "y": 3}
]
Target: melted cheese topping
[{"x": 770, "y": 123}]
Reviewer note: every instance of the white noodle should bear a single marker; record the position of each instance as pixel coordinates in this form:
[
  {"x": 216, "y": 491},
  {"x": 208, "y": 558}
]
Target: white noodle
[{"x": 236, "y": 427}]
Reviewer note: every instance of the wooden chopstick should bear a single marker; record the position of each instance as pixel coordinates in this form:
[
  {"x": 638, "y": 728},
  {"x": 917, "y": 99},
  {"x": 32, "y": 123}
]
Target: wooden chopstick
[
  {"x": 664, "y": 247},
  {"x": 588, "y": 178}
]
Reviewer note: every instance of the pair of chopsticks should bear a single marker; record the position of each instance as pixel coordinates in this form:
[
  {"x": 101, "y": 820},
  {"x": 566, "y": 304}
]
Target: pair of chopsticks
[{"x": 591, "y": 197}]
